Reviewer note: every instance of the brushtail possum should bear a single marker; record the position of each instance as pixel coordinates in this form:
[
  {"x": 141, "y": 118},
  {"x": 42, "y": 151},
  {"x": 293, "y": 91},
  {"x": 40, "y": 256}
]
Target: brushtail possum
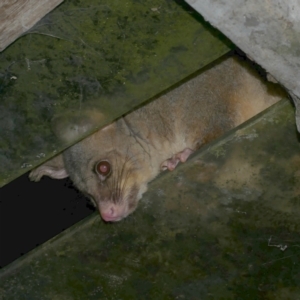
[{"x": 114, "y": 165}]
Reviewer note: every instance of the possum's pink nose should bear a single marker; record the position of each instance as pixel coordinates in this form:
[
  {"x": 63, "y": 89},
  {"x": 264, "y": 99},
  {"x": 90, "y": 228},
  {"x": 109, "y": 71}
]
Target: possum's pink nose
[{"x": 111, "y": 213}]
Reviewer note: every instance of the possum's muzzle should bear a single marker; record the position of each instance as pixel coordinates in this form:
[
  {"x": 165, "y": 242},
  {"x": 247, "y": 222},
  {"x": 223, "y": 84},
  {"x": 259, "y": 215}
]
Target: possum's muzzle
[{"x": 113, "y": 210}]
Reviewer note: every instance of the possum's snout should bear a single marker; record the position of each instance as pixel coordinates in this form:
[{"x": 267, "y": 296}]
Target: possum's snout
[
  {"x": 114, "y": 209},
  {"x": 111, "y": 212}
]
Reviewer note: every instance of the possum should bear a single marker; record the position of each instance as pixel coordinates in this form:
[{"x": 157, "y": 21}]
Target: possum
[{"x": 114, "y": 165}]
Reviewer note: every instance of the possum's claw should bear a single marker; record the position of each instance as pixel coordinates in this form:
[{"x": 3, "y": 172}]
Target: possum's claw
[
  {"x": 36, "y": 175},
  {"x": 172, "y": 162}
]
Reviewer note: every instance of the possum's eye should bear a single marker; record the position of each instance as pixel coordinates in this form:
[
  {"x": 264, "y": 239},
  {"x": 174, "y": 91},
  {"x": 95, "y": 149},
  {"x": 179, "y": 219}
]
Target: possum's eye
[{"x": 103, "y": 168}]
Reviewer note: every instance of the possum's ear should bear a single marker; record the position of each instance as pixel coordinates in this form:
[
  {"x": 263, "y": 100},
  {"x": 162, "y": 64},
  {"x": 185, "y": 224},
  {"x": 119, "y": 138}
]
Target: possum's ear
[
  {"x": 72, "y": 126},
  {"x": 53, "y": 168}
]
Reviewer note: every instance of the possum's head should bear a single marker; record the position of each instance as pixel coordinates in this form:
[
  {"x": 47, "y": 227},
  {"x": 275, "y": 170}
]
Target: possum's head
[
  {"x": 116, "y": 191},
  {"x": 111, "y": 180},
  {"x": 109, "y": 167}
]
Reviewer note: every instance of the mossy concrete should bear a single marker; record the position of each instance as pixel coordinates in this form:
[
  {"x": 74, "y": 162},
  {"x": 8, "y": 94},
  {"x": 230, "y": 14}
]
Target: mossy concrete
[
  {"x": 224, "y": 225},
  {"x": 104, "y": 56}
]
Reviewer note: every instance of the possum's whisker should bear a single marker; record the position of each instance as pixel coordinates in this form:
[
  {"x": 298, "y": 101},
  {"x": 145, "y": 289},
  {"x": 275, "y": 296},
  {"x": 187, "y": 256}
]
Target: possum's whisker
[
  {"x": 117, "y": 187},
  {"x": 126, "y": 177},
  {"x": 122, "y": 176}
]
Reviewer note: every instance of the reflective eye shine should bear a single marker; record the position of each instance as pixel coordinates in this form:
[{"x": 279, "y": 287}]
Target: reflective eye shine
[{"x": 103, "y": 168}]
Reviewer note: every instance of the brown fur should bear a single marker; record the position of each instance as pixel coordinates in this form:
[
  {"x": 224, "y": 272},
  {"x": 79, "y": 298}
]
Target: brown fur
[{"x": 160, "y": 134}]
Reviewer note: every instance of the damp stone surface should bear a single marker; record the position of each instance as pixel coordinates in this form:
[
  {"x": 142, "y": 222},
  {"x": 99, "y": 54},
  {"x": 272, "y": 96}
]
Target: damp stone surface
[
  {"x": 104, "y": 57},
  {"x": 224, "y": 225}
]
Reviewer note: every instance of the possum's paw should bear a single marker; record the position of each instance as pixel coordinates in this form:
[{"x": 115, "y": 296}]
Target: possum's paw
[
  {"x": 171, "y": 163},
  {"x": 37, "y": 174},
  {"x": 44, "y": 170},
  {"x": 53, "y": 168}
]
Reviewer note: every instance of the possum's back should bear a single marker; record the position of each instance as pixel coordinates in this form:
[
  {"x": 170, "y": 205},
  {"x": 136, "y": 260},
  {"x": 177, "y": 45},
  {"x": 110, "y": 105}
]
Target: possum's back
[{"x": 203, "y": 108}]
